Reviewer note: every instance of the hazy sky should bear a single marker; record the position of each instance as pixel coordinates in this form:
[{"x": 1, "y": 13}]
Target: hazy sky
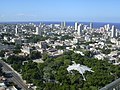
[{"x": 60, "y": 10}]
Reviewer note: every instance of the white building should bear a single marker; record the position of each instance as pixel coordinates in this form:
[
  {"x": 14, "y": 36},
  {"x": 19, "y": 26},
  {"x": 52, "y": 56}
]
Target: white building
[
  {"x": 80, "y": 29},
  {"x": 113, "y": 40},
  {"x": 79, "y": 52},
  {"x": 100, "y": 56},
  {"x": 91, "y": 25},
  {"x": 5, "y": 38},
  {"x": 117, "y": 33},
  {"x": 87, "y": 38},
  {"x": 38, "y": 31},
  {"x": 26, "y": 49},
  {"x": 76, "y": 26},
  {"x": 85, "y": 27},
  {"x": 118, "y": 43},
  {"x": 16, "y": 29},
  {"x": 63, "y": 24},
  {"x": 107, "y": 27},
  {"x": 75, "y": 40},
  {"x": 16, "y": 40},
  {"x": 113, "y": 32}
]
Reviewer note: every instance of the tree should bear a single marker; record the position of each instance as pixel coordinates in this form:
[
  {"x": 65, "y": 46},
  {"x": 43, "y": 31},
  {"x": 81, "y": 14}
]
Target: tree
[
  {"x": 16, "y": 62},
  {"x": 53, "y": 74},
  {"x": 45, "y": 56},
  {"x": 1, "y": 69},
  {"x": 16, "y": 51},
  {"x": 2, "y": 53},
  {"x": 35, "y": 55},
  {"x": 34, "y": 76},
  {"x": 88, "y": 53}
]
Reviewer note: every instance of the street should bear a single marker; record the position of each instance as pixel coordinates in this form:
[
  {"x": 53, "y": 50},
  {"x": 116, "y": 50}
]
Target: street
[{"x": 15, "y": 77}]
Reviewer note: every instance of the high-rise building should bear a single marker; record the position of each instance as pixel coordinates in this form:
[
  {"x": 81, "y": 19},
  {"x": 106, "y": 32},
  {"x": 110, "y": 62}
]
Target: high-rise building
[
  {"x": 91, "y": 25},
  {"x": 16, "y": 29},
  {"x": 85, "y": 27},
  {"x": 107, "y": 27},
  {"x": 38, "y": 31},
  {"x": 76, "y": 26},
  {"x": 113, "y": 32},
  {"x": 80, "y": 29},
  {"x": 63, "y": 24},
  {"x": 116, "y": 32}
]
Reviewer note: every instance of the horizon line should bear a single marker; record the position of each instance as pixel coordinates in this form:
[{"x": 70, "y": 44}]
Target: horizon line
[{"x": 57, "y": 21}]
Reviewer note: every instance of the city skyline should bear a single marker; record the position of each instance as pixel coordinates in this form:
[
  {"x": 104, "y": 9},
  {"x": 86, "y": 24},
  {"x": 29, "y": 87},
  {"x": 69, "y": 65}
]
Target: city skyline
[{"x": 61, "y": 10}]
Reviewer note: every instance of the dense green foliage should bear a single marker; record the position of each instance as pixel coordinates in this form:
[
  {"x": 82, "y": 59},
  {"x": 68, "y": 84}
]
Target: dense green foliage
[
  {"x": 16, "y": 61},
  {"x": 31, "y": 72},
  {"x": 2, "y": 52},
  {"x": 17, "y": 49},
  {"x": 53, "y": 74},
  {"x": 35, "y": 55},
  {"x": 1, "y": 69}
]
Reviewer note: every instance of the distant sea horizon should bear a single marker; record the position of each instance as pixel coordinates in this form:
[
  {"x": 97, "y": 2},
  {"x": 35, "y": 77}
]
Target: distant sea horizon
[{"x": 68, "y": 23}]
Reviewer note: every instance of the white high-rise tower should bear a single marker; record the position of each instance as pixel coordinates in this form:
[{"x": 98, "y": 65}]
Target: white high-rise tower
[
  {"x": 76, "y": 26},
  {"x": 91, "y": 25},
  {"x": 63, "y": 24},
  {"x": 116, "y": 32},
  {"x": 38, "y": 31},
  {"x": 80, "y": 29},
  {"x": 113, "y": 32},
  {"x": 16, "y": 29},
  {"x": 108, "y": 27}
]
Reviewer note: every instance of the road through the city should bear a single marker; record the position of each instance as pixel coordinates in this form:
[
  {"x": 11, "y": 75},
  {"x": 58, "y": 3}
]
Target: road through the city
[{"x": 15, "y": 77}]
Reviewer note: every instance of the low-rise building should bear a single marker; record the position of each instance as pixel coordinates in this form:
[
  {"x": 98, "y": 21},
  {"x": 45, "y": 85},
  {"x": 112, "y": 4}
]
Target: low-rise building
[{"x": 26, "y": 49}]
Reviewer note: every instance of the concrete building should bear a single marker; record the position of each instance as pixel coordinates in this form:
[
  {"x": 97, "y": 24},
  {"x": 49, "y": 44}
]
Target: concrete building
[
  {"x": 38, "y": 31},
  {"x": 26, "y": 49},
  {"x": 80, "y": 29},
  {"x": 107, "y": 27},
  {"x": 113, "y": 32},
  {"x": 91, "y": 25},
  {"x": 76, "y": 26},
  {"x": 16, "y": 30},
  {"x": 87, "y": 38},
  {"x": 75, "y": 40},
  {"x": 16, "y": 40},
  {"x": 42, "y": 44},
  {"x": 63, "y": 24}
]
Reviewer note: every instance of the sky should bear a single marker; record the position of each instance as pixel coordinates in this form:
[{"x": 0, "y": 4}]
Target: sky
[{"x": 60, "y": 10}]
